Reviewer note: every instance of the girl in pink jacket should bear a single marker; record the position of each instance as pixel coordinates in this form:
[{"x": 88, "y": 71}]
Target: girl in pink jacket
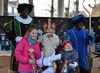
[{"x": 27, "y": 51}]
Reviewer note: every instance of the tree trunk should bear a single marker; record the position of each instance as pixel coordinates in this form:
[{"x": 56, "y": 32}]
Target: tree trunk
[
  {"x": 5, "y": 7},
  {"x": 52, "y": 8},
  {"x": 67, "y": 9},
  {"x": 32, "y": 13},
  {"x": 77, "y": 7}
]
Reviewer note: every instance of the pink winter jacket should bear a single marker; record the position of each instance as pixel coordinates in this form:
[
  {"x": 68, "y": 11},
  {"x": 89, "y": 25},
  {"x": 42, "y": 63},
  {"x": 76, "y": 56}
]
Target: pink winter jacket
[{"x": 22, "y": 54}]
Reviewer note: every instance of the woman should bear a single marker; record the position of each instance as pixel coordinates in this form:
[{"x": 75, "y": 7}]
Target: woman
[{"x": 27, "y": 51}]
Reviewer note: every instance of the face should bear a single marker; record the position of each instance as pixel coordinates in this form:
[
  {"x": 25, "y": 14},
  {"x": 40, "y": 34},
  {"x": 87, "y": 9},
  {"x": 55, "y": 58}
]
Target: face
[
  {"x": 53, "y": 26},
  {"x": 45, "y": 26},
  {"x": 33, "y": 34},
  {"x": 25, "y": 13},
  {"x": 68, "y": 47},
  {"x": 50, "y": 35},
  {"x": 79, "y": 25}
]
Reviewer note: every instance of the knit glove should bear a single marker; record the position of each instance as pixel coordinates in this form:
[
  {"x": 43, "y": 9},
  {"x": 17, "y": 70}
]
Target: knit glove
[{"x": 31, "y": 61}]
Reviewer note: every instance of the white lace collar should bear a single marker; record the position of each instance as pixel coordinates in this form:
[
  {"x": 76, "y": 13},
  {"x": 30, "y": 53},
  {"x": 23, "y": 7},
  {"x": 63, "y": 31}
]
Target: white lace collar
[{"x": 24, "y": 21}]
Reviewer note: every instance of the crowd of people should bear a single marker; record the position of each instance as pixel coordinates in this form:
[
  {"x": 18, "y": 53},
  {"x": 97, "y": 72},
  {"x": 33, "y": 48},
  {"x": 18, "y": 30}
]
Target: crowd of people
[{"x": 31, "y": 54}]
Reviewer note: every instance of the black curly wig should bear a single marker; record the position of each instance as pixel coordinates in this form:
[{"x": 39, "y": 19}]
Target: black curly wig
[{"x": 23, "y": 6}]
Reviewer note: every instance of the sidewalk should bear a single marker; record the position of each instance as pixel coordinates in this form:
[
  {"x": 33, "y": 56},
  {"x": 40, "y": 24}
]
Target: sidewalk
[
  {"x": 5, "y": 62},
  {"x": 5, "y": 53}
]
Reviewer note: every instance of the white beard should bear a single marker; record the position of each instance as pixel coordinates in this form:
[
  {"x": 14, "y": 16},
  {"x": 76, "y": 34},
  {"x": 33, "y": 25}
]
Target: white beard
[{"x": 49, "y": 44}]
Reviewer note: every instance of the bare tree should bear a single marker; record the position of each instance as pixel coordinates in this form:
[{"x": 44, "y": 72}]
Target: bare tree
[
  {"x": 52, "y": 8},
  {"x": 77, "y": 6},
  {"x": 67, "y": 9}
]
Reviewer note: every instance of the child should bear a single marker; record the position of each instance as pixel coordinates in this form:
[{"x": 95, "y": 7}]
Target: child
[
  {"x": 69, "y": 58},
  {"x": 27, "y": 51}
]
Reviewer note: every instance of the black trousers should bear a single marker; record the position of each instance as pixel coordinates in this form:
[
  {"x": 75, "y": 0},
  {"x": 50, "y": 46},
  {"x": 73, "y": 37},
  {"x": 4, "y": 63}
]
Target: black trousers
[
  {"x": 82, "y": 70},
  {"x": 13, "y": 64}
]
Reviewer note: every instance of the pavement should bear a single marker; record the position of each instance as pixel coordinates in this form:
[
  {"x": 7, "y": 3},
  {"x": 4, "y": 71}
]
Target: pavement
[{"x": 5, "y": 63}]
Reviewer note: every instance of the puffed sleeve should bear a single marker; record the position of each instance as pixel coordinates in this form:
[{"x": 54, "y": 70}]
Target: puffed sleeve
[{"x": 19, "y": 53}]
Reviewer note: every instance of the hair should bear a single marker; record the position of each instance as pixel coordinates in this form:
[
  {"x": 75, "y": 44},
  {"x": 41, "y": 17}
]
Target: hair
[
  {"x": 30, "y": 28},
  {"x": 23, "y": 6},
  {"x": 68, "y": 41}
]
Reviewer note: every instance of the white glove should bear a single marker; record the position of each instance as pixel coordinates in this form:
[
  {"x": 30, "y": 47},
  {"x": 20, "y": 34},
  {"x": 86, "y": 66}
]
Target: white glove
[
  {"x": 39, "y": 61},
  {"x": 73, "y": 65},
  {"x": 55, "y": 57},
  {"x": 65, "y": 70},
  {"x": 31, "y": 61},
  {"x": 40, "y": 32},
  {"x": 18, "y": 38},
  {"x": 49, "y": 60}
]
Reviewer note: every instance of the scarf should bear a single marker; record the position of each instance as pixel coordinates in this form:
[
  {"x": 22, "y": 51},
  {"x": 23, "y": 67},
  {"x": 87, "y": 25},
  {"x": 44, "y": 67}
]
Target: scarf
[{"x": 31, "y": 41}]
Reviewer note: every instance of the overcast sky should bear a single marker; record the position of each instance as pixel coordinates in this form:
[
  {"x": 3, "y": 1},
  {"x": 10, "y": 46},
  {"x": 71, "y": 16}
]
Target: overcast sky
[{"x": 42, "y": 7}]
